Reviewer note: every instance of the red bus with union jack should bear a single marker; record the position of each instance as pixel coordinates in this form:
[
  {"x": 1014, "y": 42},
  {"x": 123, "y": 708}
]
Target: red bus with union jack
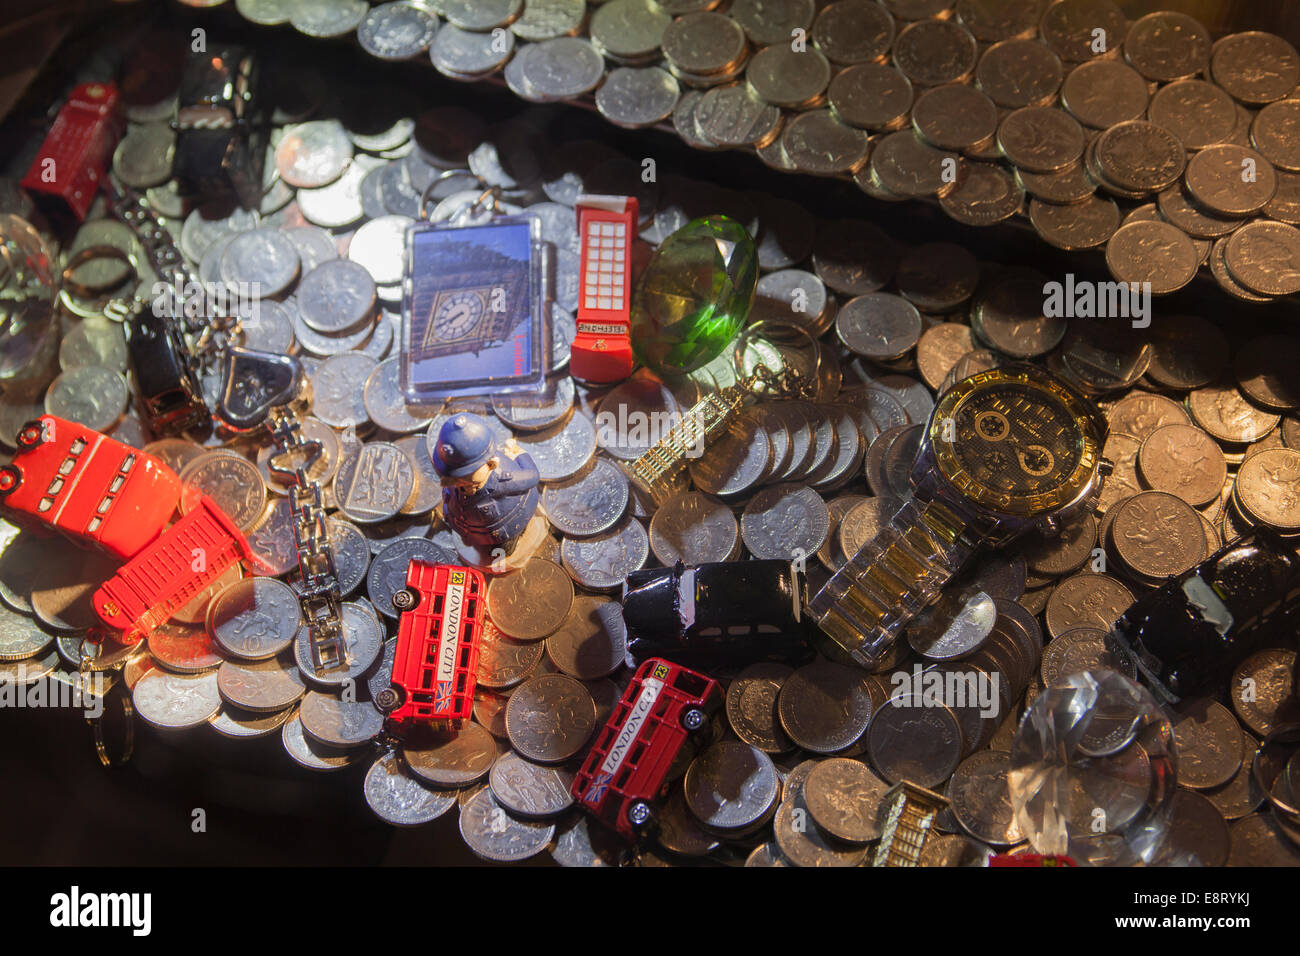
[
  {"x": 438, "y": 641},
  {"x": 628, "y": 769},
  {"x": 88, "y": 487}
]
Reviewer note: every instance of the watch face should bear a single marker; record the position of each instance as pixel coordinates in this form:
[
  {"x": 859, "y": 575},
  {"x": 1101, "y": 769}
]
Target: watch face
[{"x": 1015, "y": 441}]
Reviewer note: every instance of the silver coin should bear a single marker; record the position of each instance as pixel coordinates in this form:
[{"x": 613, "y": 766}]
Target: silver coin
[
  {"x": 693, "y": 528},
  {"x": 530, "y": 790},
  {"x": 28, "y": 670},
  {"x": 954, "y": 627},
  {"x": 313, "y": 154},
  {"x": 495, "y": 835},
  {"x": 380, "y": 246},
  {"x": 338, "y": 723},
  {"x": 588, "y": 503},
  {"x": 462, "y": 55},
  {"x": 310, "y": 753},
  {"x": 844, "y": 798},
  {"x": 254, "y": 619},
  {"x": 731, "y": 786},
  {"x": 564, "y": 328},
  {"x": 314, "y": 246},
  {"x": 602, "y": 562},
  {"x": 363, "y": 638},
  {"x": 176, "y": 701},
  {"x": 563, "y": 68},
  {"x": 89, "y": 395},
  {"x": 262, "y": 687},
  {"x": 94, "y": 342},
  {"x": 351, "y": 553},
  {"x": 581, "y": 845},
  {"x": 385, "y": 403},
  {"x": 267, "y": 327},
  {"x": 208, "y": 223},
  {"x": 787, "y": 522},
  {"x": 825, "y": 707},
  {"x": 592, "y": 641},
  {"x": 459, "y": 760},
  {"x": 397, "y": 797},
  {"x": 327, "y": 18},
  {"x": 878, "y": 326},
  {"x": 337, "y": 389},
  {"x": 20, "y": 637},
  {"x": 336, "y": 297},
  {"x": 374, "y": 482},
  {"x": 240, "y": 724},
  {"x": 635, "y": 416},
  {"x": 561, "y": 451},
  {"x": 636, "y": 97},
  {"x": 396, "y": 31},
  {"x": 535, "y": 412},
  {"x": 387, "y": 574},
  {"x": 263, "y": 259},
  {"x": 981, "y": 801},
  {"x": 143, "y": 158},
  {"x": 428, "y": 483},
  {"x": 735, "y": 462},
  {"x": 911, "y": 739}
]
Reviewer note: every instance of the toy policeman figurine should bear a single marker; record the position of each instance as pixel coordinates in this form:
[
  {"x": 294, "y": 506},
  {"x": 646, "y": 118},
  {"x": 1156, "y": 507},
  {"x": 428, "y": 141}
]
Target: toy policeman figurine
[{"x": 488, "y": 497}]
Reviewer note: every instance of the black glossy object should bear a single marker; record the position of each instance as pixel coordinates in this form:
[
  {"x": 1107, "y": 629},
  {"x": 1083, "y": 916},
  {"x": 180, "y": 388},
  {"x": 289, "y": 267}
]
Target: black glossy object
[
  {"x": 170, "y": 396},
  {"x": 1188, "y": 635},
  {"x": 221, "y": 130},
  {"x": 735, "y": 612}
]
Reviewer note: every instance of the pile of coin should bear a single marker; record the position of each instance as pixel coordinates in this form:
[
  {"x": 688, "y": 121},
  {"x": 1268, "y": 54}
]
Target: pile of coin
[
  {"x": 1204, "y": 436},
  {"x": 1172, "y": 151}
]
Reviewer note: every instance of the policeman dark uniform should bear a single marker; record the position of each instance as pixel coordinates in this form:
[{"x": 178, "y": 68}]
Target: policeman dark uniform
[{"x": 497, "y": 511}]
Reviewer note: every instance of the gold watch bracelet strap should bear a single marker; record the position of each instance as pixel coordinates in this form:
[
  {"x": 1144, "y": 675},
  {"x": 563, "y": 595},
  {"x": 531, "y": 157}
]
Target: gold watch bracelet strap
[{"x": 901, "y": 571}]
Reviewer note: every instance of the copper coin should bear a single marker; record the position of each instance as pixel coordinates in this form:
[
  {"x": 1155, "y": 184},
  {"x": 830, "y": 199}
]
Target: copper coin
[
  {"x": 1157, "y": 535},
  {"x": 1086, "y": 600},
  {"x": 1184, "y": 461}
]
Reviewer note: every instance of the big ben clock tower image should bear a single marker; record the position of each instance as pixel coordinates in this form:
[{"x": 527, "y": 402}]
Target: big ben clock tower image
[{"x": 472, "y": 312}]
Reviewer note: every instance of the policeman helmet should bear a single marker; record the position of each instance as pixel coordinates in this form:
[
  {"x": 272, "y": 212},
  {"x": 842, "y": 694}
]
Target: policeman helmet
[{"x": 464, "y": 444}]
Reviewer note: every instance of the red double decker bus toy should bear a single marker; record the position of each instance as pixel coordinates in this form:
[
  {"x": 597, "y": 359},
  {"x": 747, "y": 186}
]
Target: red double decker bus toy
[
  {"x": 73, "y": 159},
  {"x": 88, "y": 487},
  {"x": 167, "y": 574},
  {"x": 626, "y": 771},
  {"x": 438, "y": 640},
  {"x": 602, "y": 349}
]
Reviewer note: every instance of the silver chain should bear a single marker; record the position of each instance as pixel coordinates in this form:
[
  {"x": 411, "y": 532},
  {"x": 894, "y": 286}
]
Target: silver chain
[
  {"x": 207, "y": 337},
  {"x": 319, "y": 597}
]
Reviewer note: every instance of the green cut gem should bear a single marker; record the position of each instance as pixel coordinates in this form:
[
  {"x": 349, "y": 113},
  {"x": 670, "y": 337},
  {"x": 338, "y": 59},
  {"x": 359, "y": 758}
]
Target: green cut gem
[{"x": 694, "y": 296}]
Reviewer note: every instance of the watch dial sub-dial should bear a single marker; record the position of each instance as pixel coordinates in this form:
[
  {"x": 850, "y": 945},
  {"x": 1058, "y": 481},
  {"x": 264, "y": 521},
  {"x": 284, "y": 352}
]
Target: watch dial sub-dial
[{"x": 1016, "y": 440}]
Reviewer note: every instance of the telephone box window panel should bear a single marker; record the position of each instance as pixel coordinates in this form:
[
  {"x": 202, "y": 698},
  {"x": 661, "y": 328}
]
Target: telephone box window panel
[{"x": 473, "y": 318}]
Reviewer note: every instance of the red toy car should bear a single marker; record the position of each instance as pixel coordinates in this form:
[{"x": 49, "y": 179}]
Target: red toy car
[
  {"x": 436, "y": 661},
  {"x": 627, "y": 770},
  {"x": 88, "y": 487},
  {"x": 602, "y": 349},
  {"x": 166, "y": 575},
  {"x": 76, "y": 153}
]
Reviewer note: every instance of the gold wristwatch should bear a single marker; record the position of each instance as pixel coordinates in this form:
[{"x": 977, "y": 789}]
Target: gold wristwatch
[{"x": 1005, "y": 451}]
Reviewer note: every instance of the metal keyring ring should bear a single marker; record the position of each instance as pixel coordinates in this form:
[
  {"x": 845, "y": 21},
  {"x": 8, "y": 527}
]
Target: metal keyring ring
[
  {"x": 89, "y": 254},
  {"x": 493, "y": 193},
  {"x": 750, "y": 331},
  {"x": 128, "y": 733},
  {"x": 442, "y": 176}
]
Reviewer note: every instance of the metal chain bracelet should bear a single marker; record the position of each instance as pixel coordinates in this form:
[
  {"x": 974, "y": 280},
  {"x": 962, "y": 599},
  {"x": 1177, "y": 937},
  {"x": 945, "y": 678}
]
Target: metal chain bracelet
[{"x": 319, "y": 597}]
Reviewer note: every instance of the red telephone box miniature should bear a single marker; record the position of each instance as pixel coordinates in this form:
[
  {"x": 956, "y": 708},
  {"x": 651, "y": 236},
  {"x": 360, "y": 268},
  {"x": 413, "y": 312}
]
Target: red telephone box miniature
[
  {"x": 438, "y": 641},
  {"x": 626, "y": 771},
  {"x": 602, "y": 349},
  {"x": 76, "y": 153},
  {"x": 167, "y": 574},
  {"x": 88, "y": 487}
]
